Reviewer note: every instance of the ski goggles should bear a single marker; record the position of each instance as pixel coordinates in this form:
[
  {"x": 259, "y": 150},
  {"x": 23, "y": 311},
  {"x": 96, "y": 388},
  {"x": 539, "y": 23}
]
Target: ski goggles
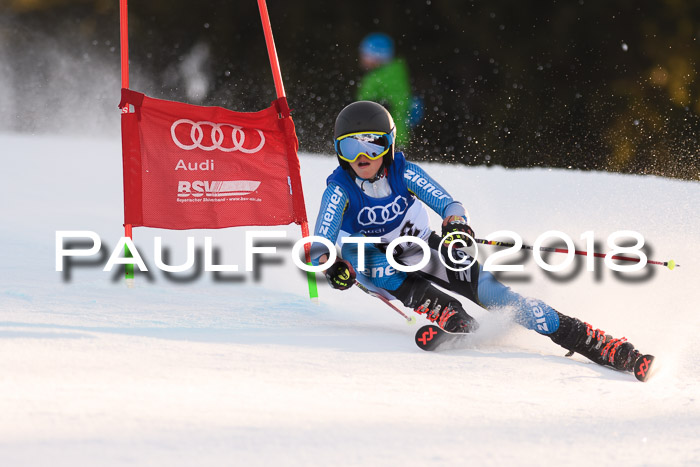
[{"x": 373, "y": 145}]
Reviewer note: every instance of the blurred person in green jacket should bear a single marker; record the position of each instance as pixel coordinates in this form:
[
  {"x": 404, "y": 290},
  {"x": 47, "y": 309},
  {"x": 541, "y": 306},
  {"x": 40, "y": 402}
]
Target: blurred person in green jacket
[{"x": 387, "y": 82}]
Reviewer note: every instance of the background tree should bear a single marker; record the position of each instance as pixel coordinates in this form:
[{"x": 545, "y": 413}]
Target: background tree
[{"x": 587, "y": 85}]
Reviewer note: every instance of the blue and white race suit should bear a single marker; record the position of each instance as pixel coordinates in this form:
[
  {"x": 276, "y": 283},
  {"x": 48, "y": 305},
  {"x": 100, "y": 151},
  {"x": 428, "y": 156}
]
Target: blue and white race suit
[{"x": 394, "y": 206}]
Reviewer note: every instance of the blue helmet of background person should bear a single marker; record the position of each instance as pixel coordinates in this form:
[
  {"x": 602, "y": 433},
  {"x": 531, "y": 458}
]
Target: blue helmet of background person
[{"x": 377, "y": 46}]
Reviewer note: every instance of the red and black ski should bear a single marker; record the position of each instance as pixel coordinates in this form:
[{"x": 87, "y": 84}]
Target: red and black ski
[
  {"x": 430, "y": 337},
  {"x": 643, "y": 367}
]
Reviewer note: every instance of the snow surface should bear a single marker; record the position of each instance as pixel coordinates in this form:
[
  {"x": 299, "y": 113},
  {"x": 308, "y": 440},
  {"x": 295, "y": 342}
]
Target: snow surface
[{"x": 242, "y": 369}]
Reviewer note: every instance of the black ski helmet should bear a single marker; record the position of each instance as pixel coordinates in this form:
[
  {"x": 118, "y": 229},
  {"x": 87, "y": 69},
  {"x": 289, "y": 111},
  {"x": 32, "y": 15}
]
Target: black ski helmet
[{"x": 364, "y": 116}]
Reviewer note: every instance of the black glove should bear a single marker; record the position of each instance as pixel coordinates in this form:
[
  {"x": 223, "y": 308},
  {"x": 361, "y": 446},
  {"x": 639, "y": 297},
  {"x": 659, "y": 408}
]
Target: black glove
[
  {"x": 341, "y": 275},
  {"x": 457, "y": 226}
]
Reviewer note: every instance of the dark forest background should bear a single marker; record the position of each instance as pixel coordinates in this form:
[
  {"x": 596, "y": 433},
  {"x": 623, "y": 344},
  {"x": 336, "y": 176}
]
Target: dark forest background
[{"x": 603, "y": 85}]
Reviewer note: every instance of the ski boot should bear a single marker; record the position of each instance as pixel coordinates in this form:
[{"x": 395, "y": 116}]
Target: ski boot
[
  {"x": 577, "y": 336},
  {"x": 423, "y": 297}
]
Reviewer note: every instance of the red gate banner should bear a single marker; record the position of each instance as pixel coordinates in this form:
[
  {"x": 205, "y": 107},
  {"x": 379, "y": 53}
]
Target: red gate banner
[{"x": 193, "y": 167}]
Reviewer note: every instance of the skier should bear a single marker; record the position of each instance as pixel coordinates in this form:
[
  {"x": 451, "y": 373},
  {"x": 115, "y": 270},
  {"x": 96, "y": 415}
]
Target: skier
[{"x": 376, "y": 192}]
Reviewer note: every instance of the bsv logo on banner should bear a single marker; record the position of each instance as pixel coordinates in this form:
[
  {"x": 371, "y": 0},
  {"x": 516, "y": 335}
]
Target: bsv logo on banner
[
  {"x": 380, "y": 215},
  {"x": 216, "y": 189},
  {"x": 218, "y": 137}
]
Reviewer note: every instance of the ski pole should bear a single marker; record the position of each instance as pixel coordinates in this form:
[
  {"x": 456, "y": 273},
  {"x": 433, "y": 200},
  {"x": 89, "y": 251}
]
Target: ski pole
[
  {"x": 409, "y": 319},
  {"x": 669, "y": 264}
]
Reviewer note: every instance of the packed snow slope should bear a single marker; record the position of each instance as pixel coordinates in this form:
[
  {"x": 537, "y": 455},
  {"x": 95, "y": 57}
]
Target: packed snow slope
[{"x": 242, "y": 369}]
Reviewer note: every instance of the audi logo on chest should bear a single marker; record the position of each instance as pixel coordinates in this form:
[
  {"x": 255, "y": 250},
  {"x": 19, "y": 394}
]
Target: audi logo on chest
[
  {"x": 218, "y": 137},
  {"x": 380, "y": 215}
]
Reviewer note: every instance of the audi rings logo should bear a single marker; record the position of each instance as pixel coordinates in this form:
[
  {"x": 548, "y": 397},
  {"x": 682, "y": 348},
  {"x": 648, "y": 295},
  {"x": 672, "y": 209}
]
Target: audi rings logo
[
  {"x": 380, "y": 215},
  {"x": 218, "y": 138}
]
